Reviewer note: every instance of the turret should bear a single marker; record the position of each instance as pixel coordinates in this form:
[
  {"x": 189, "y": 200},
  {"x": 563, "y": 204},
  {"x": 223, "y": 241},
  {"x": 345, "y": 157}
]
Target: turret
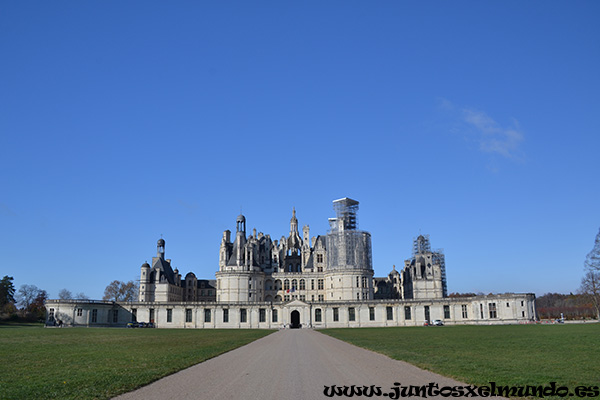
[
  {"x": 145, "y": 273},
  {"x": 144, "y": 281},
  {"x": 241, "y": 224},
  {"x": 160, "y": 248}
]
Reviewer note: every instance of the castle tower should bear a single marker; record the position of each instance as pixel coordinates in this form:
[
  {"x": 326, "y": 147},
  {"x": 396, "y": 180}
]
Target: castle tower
[
  {"x": 293, "y": 256},
  {"x": 349, "y": 260},
  {"x": 238, "y": 280},
  {"x": 424, "y": 275}
]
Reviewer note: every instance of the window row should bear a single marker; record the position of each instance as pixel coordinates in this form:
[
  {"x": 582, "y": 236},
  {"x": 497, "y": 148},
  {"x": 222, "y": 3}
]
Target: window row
[
  {"x": 352, "y": 314},
  {"x": 113, "y": 315},
  {"x": 295, "y": 284},
  {"x": 389, "y": 313},
  {"x": 243, "y": 313}
]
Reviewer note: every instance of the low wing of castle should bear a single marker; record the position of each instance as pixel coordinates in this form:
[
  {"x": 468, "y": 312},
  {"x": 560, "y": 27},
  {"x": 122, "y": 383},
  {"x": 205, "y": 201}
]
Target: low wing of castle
[{"x": 323, "y": 281}]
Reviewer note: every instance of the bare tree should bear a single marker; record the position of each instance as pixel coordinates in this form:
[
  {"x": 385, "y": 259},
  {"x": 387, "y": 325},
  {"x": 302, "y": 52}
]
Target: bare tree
[
  {"x": 65, "y": 294},
  {"x": 120, "y": 291},
  {"x": 37, "y": 309},
  {"x": 27, "y": 295},
  {"x": 590, "y": 287},
  {"x": 81, "y": 296},
  {"x": 592, "y": 260},
  {"x": 590, "y": 284},
  {"x": 31, "y": 299}
]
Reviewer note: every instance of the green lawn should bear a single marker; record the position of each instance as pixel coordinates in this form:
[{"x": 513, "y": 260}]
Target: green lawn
[
  {"x": 98, "y": 363},
  {"x": 507, "y": 354}
]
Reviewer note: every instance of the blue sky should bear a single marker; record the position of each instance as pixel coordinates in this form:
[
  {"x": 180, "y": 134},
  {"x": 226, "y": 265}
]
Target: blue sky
[{"x": 474, "y": 122}]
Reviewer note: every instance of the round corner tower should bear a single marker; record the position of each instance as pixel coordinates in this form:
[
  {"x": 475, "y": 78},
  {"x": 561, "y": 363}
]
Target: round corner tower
[{"x": 349, "y": 273}]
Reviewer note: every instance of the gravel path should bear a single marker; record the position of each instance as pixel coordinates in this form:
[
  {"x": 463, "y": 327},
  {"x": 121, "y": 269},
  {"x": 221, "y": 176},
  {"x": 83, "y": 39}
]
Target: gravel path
[{"x": 288, "y": 364}]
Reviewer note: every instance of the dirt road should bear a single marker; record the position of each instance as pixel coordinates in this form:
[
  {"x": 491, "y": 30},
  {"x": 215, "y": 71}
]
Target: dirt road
[{"x": 289, "y": 364}]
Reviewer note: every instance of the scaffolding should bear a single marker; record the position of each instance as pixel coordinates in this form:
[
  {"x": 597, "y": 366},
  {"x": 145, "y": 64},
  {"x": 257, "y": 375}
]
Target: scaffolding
[
  {"x": 421, "y": 245},
  {"x": 440, "y": 258},
  {"x": 347, "y": 247},
  {"x": 345, "y": 211},
  {"x": 349, "y": 250}
]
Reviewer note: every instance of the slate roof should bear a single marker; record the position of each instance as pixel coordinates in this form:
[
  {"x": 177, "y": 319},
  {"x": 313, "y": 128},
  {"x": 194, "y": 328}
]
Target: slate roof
[{"x": 165, "y": 267}]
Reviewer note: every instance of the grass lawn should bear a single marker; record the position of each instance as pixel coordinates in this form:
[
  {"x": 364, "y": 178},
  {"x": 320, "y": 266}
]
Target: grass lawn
[
  {"x": 98, "y": 363},
  {"x": 506, "y": 354}
]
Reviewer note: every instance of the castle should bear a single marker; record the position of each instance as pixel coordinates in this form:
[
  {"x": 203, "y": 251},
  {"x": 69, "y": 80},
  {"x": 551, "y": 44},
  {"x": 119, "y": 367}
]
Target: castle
[{"x": 299, "y": 281}]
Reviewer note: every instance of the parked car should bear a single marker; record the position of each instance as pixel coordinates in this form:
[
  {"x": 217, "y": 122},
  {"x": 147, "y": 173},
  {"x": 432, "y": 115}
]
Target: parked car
[
  {"x": 144, "y": 324},
  {"x": 437, "y": 322}
]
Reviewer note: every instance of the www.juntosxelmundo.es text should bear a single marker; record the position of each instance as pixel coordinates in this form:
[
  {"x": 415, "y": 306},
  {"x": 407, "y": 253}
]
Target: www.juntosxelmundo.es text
[{"x": 433, "y": 389}]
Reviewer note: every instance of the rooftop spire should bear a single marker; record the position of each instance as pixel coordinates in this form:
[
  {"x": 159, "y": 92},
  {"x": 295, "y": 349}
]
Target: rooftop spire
[{"x": 293, "y": 222}]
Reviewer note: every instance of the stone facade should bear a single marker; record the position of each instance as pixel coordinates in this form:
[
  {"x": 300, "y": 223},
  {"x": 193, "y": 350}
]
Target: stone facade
[
  {"x": 325, "y": 268},
  {"x": 485, "y": 310},
  {"x": 160, "y": 282},
  {"x": 323, "y": 281}
]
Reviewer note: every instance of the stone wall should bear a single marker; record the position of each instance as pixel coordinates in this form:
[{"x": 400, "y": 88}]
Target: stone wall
[{"x": 492, "y": 309}]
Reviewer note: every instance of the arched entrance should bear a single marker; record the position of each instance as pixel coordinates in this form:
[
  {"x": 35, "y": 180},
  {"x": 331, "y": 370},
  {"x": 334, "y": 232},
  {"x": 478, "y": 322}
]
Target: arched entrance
[{"x": 295, "y": 319}]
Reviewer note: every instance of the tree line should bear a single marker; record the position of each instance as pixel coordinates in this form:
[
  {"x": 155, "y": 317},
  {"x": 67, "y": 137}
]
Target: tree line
[
  {"x": 25, "y": 304},
  {"x": 567, "y": 306},
  {"x": 28, "y": 302}
]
